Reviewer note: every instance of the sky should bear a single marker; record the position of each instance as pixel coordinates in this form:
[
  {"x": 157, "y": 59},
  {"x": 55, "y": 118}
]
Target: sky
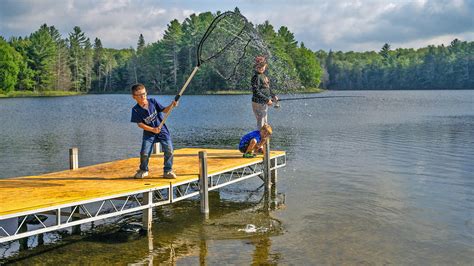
[{"x": 345, "y": 25}]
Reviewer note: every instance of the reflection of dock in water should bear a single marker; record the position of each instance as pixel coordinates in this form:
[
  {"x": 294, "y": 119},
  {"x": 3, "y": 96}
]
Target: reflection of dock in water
[
  {"x": 192, "y": 243},
  {"x": 74, "y": 197},
  {"x": 180, "y": 233}
]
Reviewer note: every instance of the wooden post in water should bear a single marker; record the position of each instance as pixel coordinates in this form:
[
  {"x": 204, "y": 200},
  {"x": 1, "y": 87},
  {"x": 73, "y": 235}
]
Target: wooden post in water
[
  {"x": 22, "y": 228},
  {"x": 203, "y": 185},
  {"x": 74, "y": 165},
  {"x": 274, "y": 174},
  {"x": 76, "y": 229},
  {"x": 73, "y": 158},
  {"x": 266, "y": 166},
  {"x": 273, "y": 190},
  {"x": 147, "y": 217},
  {"x": 156, "y": 148}
]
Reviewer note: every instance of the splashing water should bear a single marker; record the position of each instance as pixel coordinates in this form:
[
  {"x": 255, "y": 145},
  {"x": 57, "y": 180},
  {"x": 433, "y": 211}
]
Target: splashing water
[{"x": 250, "y": 228}]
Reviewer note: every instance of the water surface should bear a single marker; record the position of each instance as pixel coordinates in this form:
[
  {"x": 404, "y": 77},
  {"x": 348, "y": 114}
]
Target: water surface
[{"x": 386, "y": 178}]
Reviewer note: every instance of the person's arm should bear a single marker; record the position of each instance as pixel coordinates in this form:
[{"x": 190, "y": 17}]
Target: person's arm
[
  {"x": 168, "y": 108},
  {"x": 260, "y": 145},
  {"x": 274, "y": 97},
  {"x": 272, "y": 94},
  {"x": 148, "y": 128}
]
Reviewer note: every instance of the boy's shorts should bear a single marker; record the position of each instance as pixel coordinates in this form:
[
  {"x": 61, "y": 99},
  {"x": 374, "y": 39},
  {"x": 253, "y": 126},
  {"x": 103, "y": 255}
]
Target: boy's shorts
[{"x": 243, "y": 148}]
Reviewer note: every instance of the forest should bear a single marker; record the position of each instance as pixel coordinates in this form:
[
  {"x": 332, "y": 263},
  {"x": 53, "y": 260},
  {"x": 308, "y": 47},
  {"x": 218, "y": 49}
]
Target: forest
[{"x": 47, "y": 61}]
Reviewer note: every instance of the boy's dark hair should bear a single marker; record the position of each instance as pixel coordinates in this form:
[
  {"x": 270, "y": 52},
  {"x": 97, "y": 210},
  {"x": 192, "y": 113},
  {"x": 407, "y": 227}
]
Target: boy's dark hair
[{"x": 137, "y": 87}]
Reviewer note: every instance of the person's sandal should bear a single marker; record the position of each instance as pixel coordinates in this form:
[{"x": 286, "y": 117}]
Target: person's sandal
[{"x": 248, "y": 155}]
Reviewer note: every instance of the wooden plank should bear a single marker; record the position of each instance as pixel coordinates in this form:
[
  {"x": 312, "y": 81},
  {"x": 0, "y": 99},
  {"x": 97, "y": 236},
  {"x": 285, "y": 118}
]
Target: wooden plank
[{"x": 107, "y": 179}]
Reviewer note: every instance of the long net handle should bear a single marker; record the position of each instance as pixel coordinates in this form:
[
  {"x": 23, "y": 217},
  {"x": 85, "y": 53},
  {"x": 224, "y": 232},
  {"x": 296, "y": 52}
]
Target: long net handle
[{"x": 176, "y": 98}]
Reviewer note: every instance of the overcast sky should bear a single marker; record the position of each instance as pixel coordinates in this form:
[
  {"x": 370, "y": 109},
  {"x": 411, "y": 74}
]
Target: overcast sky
[{"x": 345, "y": 25}]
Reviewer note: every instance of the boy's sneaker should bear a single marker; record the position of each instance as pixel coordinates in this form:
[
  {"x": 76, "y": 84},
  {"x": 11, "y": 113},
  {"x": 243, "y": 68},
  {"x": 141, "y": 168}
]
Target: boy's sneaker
[
  {"x": 248, "y": 155},
  {"x": 141, "y": 174},
  {"x": 169, "y": 175}
]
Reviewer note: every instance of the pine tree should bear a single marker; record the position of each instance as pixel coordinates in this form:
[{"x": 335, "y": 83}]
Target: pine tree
[
  {"x": 61, "y": 70},
  {"x": 140, "y": 44},
  {"x": 98, "y": 64},
  {"x": 172, "y": 42},
  {"x": 41, "y": 53},
  {"x": 77, "y": 41}
]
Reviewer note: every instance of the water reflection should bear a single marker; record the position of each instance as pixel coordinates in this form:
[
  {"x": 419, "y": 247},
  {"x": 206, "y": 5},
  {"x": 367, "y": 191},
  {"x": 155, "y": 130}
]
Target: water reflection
[{"x": 180, "y": 233}]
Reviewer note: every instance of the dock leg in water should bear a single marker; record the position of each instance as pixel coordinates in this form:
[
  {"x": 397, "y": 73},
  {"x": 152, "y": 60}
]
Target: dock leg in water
[
  {"x": 204, "y": 190},
  {"x": 148, "y": 212},
  {"x": 23, "y": 228}
]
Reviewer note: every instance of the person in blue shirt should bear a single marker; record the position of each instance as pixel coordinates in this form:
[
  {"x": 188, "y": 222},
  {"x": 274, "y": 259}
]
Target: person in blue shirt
[
  {"x": 148, "y": 114},
  {"x": 252, "y": 142}
]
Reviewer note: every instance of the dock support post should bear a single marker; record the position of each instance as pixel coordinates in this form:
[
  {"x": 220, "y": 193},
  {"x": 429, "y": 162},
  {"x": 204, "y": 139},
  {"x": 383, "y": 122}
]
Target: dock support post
[
  {"x": 203, "y": 185},
  {"x": 76, "y": 229},
  {"x": 23, "y": 227},
  {"x": 273, "y": 190},
  {"x": 274, "y": 171},
  {"x": 266, "y": 166},
  {"x": 148, "y": 212},
  {"x": 73, "y": 158},
  {"x": 156, "y": 148}
]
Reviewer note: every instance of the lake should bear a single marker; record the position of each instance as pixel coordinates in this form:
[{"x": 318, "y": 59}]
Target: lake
[{"x": 386, "y": 177}]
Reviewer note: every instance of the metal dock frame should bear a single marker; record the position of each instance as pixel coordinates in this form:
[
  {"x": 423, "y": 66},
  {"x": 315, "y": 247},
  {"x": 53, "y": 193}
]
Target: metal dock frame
[{"x": 82, "y": 212}]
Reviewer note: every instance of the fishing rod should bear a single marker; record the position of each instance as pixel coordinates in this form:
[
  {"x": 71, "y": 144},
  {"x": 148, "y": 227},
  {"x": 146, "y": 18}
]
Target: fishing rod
[{"x": 277, "y": 103}]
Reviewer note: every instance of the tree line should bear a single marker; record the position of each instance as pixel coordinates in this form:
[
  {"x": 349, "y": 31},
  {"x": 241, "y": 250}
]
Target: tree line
[
  {"x": 45, "y": 61},
  {"x": 432, "y": 67}
]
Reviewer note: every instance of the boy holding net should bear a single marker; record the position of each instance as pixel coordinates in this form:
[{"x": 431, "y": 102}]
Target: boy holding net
[
  {"x": 148, "y": 114},
  {"x": 253, "y": 142},
  {"x": 262, "y": 96}
]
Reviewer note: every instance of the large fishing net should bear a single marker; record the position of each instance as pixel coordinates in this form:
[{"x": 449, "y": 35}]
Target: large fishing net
[{"x": 229, "y": 47}]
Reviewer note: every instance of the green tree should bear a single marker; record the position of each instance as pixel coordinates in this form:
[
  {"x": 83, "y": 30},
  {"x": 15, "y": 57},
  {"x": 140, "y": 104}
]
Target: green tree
[
  {"x": 41, "y": 53},
  {"x": 308, "y": 67},
  {"x": 9, "y": 66},
  {"x": 385, "y": 53},
  {"x": 61, "y": 71},
  {"x": 98, "y": 64},
  {"x": 26, "y": 74},
  {"x": 77, "y": 42},
  {"x": 172, "y": 41},
  {"x": 140, "y": 44}
]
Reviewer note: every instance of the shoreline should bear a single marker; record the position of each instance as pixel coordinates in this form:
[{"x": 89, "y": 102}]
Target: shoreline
[{"x": 26, "y": 94}]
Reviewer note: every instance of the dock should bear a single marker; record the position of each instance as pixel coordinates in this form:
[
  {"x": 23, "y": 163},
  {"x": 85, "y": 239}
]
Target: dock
[{"x": 53, "y": 201}]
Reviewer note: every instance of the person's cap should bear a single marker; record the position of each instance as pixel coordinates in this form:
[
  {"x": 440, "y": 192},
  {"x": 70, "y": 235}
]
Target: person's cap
[{"x": 260, "y": 61}]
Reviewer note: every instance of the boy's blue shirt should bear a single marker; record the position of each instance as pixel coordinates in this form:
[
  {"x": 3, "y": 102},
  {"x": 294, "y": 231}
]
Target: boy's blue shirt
[
  {"x": 151, "y": 117},
  {"x": 248, "y": 137}
]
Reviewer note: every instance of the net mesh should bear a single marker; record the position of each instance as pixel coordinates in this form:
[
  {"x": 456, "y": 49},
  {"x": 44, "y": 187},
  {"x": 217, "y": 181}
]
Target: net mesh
[{"x": 230, "y": 46}]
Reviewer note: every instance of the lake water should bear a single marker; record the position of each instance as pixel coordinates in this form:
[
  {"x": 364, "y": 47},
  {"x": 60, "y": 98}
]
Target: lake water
[{"x": 385, "y": 178}]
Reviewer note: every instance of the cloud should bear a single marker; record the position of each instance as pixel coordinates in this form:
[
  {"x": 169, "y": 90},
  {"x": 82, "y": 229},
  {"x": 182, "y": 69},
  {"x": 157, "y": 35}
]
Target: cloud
[
  {"x": 367, "y": 25},
  {"x": 116, "y": 22},
  {"x": 339, "y": 25}
]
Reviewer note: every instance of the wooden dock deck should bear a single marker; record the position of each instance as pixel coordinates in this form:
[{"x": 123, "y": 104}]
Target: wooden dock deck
[{"x": 83, "y": 195}]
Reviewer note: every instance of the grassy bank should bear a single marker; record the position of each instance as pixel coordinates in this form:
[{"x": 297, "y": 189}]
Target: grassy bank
[{"x": 16, "y": 94}]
